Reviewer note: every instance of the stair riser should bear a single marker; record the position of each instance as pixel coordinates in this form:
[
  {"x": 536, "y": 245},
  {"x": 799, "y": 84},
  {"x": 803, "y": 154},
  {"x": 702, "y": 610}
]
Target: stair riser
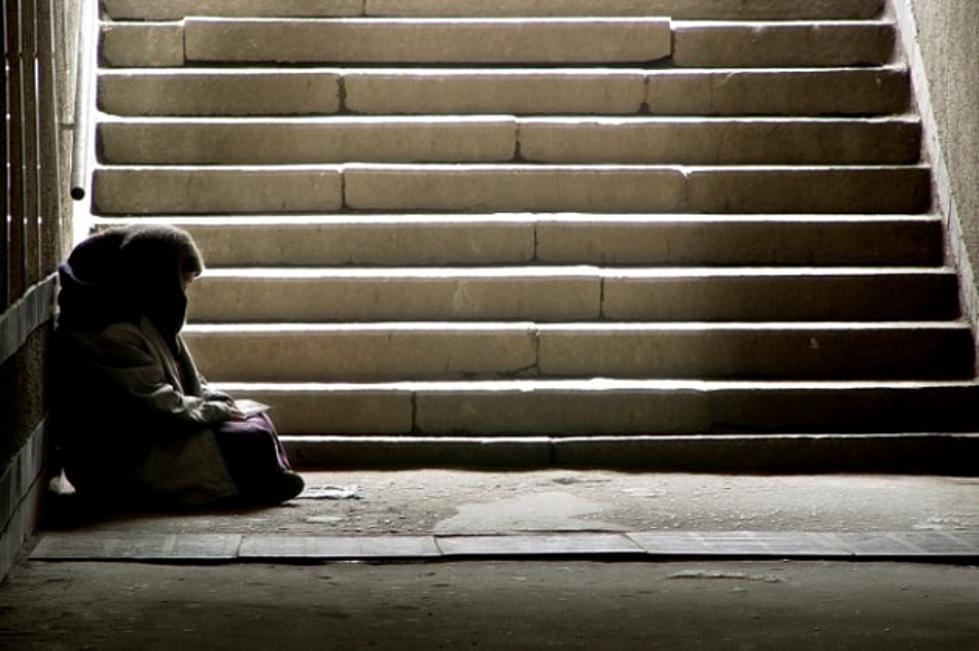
[
  {"x": 694, "y": 44},
  {"x": 379, "y": 355},
  {"x": 620, "y": 412},
  {"x": 716, "y": 9},
  {"x": 226, "y": 92},
  {"x": 908, "y": 453},
  {"x": 202, "y": 190},
  {"x": 893, "y": 297},
  {"x": 513, "y": 188},
  {"x": 700, "y": 9},
  {"x": 176, "y": 9},
  {"x": 742, "y": 244},
  {"x": 804, "y": 92},
  {"x": 424, "y": 299},
  {"x": 213, "y": 40},
  {"x": 871, "y": 298},
  {"x": 771, "y": 190},
  {"x": 142, "y": 45},
  {"x": 773, "y": 45},
  {"x": 516, "y": 92},
  {"x": 488, "y": 140},
  {"x": 461, "y": 241},
  {"x": 719, "y": 142},
  {"x": 502, "y": 140}
]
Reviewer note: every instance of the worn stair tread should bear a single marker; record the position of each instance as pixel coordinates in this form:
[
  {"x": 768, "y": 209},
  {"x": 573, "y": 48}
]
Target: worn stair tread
[
  {"x": 598, "y": 385},
  {"x": 636, "y": 140},
  {"x": 524, "y": 91},
  {"x": 770, "y": 9},
  {"x": 611, "y": 219},
  {"x": 569, "y": 270},
  {"x": 583, "y": 327}
]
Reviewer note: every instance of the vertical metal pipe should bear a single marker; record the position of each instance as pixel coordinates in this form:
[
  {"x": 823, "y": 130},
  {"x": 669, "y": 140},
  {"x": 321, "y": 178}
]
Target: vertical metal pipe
[{"x": 85, "y": 74}]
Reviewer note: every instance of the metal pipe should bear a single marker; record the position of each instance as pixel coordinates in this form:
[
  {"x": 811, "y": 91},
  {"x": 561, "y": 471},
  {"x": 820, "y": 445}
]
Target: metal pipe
[{"x": 85, "y": 69}]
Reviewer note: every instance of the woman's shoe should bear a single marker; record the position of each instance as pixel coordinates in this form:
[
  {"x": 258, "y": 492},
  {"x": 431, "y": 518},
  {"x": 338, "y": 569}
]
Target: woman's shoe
[{"x": 287, "y": 486}]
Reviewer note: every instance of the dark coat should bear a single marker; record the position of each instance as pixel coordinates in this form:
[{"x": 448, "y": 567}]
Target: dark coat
[{"x": 131, "y": 414}]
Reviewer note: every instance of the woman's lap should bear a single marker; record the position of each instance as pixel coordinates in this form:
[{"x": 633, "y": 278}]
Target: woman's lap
[{"x": 252, "y": 452}]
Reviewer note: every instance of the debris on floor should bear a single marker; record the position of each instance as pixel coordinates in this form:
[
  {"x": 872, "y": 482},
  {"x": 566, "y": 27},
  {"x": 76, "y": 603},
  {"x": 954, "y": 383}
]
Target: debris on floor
[
  {"x": 331, "y": 493},
  {"x": 737, "y": 576}
]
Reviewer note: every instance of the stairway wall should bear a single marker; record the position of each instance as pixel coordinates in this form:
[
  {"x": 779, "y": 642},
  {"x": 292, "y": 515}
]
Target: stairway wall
[
  {"x": 37, "y": 141},
  {"x": 942, "y": 43}
]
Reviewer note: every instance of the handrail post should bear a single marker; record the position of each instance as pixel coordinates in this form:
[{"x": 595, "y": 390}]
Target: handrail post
[{"x": 85, "y": 74}]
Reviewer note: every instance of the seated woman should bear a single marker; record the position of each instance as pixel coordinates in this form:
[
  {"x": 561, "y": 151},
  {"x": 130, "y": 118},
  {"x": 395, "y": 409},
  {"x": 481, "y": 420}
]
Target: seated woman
[{"x": 135, "y": 421}]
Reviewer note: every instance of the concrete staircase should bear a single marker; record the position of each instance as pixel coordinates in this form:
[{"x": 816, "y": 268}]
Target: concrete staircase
[{"x": 656, "y": 233}]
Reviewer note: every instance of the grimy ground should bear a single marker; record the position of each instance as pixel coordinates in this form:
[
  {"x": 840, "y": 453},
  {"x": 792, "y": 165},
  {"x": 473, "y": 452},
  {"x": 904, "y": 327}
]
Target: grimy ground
[{"x": 592, "y": 604}]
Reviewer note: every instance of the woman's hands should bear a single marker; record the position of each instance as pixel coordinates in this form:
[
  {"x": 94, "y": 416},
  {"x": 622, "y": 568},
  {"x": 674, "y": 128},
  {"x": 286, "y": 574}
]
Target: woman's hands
[{"x": 216, "y": 411}]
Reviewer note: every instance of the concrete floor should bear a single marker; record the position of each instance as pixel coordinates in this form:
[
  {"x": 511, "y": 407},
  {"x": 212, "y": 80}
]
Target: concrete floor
[
  {"x": 468, "y": 502},
  {"x": 524, "y": 604},
  {"x": 521, "y": 605}
]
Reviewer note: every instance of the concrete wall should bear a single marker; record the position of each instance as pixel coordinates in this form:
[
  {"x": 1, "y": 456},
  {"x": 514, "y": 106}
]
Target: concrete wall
[
  {"x": 942, "y": 41},
  {"x": 29, "y": 277}
]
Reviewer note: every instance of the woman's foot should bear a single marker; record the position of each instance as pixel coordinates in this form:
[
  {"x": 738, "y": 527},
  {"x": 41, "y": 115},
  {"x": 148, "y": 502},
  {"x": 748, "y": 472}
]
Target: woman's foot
[{"x": 286, "y": 486}]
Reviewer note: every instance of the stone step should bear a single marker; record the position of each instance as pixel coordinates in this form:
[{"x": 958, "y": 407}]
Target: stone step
[
  {"x": 429, "y": 351},
  {"x": 645, "y": 140},
  {"x": 215, "y": 91},
  {"x": 949, "y": 454},
  {"x": 550, "y": 294},
  {"x": 201, "y": 190},
  {"x": 163, "y": 141},
  {"x": 839, "y": 91},
  {"x": 404, "y": 91},
  {"x": 602, "y": 407},
  {"x": 123, "y": 190},
  {"x": 719, "y": 141},
  {"x": 460, "y": 239},
  {"x": 144, "y": 44},
  {"x": 700, "y": 44},
  {"x": 694, "y": 9},
  {"x": 912, "y": 453},
  {"x": 427, "y": 40},
  {"x": 718, "y": 9},
  {"x": 453, "y": 41},
  {"x": 619, "y": 188}
]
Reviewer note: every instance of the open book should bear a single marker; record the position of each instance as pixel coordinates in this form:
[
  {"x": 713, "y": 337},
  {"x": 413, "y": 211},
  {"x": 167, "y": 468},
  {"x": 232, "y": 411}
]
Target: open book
[{"x": 251, "y": 407}]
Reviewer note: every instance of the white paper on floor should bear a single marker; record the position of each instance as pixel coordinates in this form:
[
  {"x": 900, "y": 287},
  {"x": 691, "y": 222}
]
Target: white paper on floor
[{"x": 331, "y": 493}]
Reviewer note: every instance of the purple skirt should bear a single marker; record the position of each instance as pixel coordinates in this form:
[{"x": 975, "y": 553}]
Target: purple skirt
[{"x": 253, "y": 454}]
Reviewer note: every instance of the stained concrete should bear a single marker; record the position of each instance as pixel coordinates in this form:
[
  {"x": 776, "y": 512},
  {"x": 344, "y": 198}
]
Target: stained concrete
[
  {"x": 492, "y": 605},
  {"x": 422, "y": 502},
  {"x": 525, "y": 604}
]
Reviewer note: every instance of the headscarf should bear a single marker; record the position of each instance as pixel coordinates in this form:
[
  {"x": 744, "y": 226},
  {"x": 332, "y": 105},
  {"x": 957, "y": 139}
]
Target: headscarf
[{"x": 125, "y": 273}]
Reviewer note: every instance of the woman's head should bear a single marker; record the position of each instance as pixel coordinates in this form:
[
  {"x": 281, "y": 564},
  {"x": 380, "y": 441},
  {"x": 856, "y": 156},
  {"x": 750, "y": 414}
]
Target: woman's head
[
  {"x": 159, "y": 255},
  {"x": 157, "y": 262},
  {"x": 132, "y": 271}
]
